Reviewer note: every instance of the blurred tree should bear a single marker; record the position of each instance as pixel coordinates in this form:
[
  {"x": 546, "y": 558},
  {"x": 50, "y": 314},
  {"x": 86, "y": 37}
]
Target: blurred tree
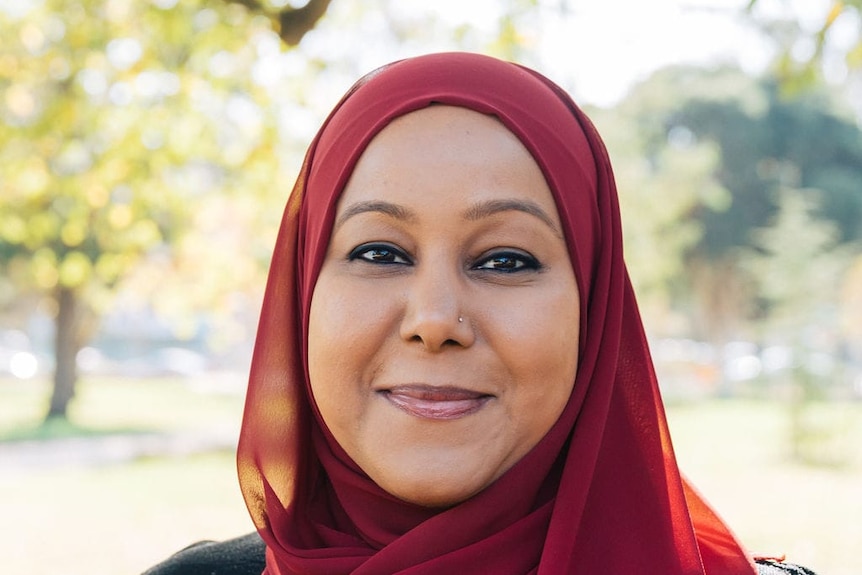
[
  {"x": 764, "y": 142},
  {"x": 804, "y": 140},
  {"x": 801, "y": 143},
  {"x": 804, "y": 47},
  {"x": 290, "y": 23},
  {"x": 143, "y": 141},
  {"x": 119, "y": 116},
  {"x": 850, "y": 301},
  {"x": 668, "y": 176},
  {"x": 763, "y": 139},
  {"x": 658, "y": 193},
  {"x": 797, "y": 263}
]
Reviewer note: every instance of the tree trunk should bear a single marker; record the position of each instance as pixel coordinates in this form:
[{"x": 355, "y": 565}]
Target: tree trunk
[{"x": 67, "y": 345}]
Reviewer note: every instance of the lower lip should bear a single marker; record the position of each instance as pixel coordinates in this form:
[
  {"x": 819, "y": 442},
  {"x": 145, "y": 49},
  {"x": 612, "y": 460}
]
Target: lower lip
[{"x": 439, "y": 409}]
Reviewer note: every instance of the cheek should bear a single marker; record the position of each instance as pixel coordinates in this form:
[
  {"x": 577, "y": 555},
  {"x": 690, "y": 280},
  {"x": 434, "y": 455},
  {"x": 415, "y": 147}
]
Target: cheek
[
  {"x": 339, "y": 313},
  {"x": 542, "y": 330},
  {"x": 342, "y": 343},
  {"x": 542, "y": 352},
  {"x": 327, "y": 337}
]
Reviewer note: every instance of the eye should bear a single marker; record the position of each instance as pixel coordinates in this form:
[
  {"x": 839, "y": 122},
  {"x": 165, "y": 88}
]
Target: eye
[
  {"x": 508, "y": 262},
  {"x": 379, "y": 254}
]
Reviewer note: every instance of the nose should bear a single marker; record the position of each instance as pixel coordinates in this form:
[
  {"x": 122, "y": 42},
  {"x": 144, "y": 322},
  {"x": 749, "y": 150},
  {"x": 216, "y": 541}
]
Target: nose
[{"x": 436, "y": 314}]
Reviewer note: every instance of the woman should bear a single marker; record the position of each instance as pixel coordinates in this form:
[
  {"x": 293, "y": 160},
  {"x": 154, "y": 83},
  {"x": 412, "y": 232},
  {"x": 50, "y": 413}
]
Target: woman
[{"x": 450, "y": 374}]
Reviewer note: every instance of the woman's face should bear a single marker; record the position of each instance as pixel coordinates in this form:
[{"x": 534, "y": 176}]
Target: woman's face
[{"x": 443, "y": 333}]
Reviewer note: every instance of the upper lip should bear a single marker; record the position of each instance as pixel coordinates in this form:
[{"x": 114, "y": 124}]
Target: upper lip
[{"x": 434, "y": 392}]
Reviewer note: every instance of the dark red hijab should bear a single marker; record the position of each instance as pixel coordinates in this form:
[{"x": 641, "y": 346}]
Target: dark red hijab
[{"x": 601, "y": 493}]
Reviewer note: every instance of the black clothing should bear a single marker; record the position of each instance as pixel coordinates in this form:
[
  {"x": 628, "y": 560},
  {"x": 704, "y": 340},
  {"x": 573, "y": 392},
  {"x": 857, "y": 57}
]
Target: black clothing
[
  {"x": 245, "y": 556},
  {"x": 240, "y": 556}
]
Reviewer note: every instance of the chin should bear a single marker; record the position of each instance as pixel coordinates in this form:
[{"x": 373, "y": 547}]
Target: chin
[
  {"x": 436, "y": 491},
  {"x": 434, "y": 500}
]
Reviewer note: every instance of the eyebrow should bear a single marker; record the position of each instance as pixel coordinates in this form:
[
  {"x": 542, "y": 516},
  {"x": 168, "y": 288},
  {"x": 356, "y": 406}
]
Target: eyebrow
[
  {"x": 386, "y": 208},
  {"x": 491, "y": 207},
  {"x": 476, "y": 212}
]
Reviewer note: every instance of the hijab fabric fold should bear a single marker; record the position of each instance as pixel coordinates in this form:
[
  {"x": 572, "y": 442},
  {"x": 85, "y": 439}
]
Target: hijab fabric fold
[{"x": 600, "y": 493}]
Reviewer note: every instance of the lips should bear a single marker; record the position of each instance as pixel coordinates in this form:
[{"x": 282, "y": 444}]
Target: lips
[{"x": 429, "y": 402}]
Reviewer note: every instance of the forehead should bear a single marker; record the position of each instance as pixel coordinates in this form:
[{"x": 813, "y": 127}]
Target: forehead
[
  {"x": 447, "y": 130},
  {"x": 428, "y": 151}
]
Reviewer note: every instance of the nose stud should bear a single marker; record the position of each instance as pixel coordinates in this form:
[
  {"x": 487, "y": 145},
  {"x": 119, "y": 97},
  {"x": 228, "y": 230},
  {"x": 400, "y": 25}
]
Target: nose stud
[{"x": 460, "y": 319}]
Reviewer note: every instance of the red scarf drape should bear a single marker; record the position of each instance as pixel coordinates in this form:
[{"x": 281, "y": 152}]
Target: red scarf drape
[{"x": 601, "y": 493}]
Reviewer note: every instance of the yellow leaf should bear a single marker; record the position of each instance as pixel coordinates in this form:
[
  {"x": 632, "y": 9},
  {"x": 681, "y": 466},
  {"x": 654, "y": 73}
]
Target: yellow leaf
[
  {"x": 145, "y": 233},
  {"x": 834, "y": 11},
  {"x": 75, "y": 269},
  {"x": 115, "y": 170},
  {"x": 97, "y": 195},
  {"x": 20, "y": 101},
  {"x": 44, "y": 268},
  {"x": 109, "y": 267},
  {"x": 34, "y": 179},
  {"x": 43, "y": 227},
  {"x": 120, "y": 216},
  {"x": 73, "y": 232},
  {"x": 854, "y": 56},
  {"x": 13, "y": 229},
  {"x": 8, "y": 66}
]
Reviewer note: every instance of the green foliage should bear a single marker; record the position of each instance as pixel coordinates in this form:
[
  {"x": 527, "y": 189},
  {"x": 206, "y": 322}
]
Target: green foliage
[
  {"x": 658, "y": 193},
  {"x": 800, "y": 142},
  {"x": 114, "y": 114},
  {"x": 122, "y": 120},
  {"x": 804, "y": 50},
  {"x": 795, "y": 261},
  {"x": 795, "y": 264},
  {"x": 699, "y": 157},
  {"x": 764, "y": 142}
]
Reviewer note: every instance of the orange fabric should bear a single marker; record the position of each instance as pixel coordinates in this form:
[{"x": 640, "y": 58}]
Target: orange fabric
[{"x": 601, "y": 493}]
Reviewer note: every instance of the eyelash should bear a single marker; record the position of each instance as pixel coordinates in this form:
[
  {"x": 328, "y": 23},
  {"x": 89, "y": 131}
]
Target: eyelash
[
  {"x": 522, "y": 262},
  {"x": 359, "y": 253},
  {"x": 515, "y": 261}
]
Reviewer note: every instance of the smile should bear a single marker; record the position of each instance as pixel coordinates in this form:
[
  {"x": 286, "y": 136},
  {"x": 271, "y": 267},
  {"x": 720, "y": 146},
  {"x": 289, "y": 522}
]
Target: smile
[{"x": 441, "y": 403}]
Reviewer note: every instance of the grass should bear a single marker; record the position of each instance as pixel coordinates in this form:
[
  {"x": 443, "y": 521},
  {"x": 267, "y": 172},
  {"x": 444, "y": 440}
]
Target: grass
[
  {"x": 107, "y": 405},
  {"x": 116, "y": 519},
  {"x": 59, "y": 428},
  {"x": 738, "y": 454},
  {"x": 124, "y": 518}
]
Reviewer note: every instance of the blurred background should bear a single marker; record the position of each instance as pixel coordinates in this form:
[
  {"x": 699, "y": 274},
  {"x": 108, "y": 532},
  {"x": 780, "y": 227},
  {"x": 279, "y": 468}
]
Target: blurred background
[{"x": 147, "y": 148}]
